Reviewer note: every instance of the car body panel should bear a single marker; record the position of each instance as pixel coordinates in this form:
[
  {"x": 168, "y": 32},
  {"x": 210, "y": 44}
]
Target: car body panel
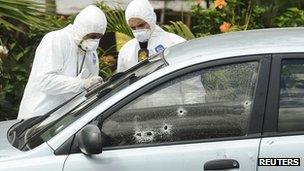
[
  {"x": 40, "y": 158},
  {"x": 263, "y": 41},
  {"x": 282, "y": 147},
  {"x": 48, "y": 162},
  {"x": 164, "y": 158},
  {"x": 13, "y": 159},
  {"x": 6, "y": 149}
]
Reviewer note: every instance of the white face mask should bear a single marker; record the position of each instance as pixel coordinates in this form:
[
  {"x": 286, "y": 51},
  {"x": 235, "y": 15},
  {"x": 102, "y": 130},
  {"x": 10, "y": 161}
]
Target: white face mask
[
  {"x": 142, "y": 35},
  {"x": 90, "y": 45}
]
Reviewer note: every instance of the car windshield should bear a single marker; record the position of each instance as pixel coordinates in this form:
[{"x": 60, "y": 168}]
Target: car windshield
[{"x": 32, "y": 132}]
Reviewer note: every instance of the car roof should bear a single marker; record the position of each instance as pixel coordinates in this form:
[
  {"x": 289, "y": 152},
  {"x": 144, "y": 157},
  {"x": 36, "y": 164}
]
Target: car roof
[{"x": 263, "y": 41}]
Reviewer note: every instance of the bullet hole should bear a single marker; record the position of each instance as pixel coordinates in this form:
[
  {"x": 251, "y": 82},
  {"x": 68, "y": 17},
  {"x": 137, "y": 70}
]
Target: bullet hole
[
  {"x": 247, "y": 103},
  {"x": 166, "y": 129},
  {"x": 181, "y": 112},
  {"x": 144, "y": 136}
]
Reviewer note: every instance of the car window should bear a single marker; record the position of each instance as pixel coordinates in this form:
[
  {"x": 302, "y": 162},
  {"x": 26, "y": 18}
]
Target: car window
[
  {"x": 210, "y": 103},
  {"x": 291, "y": 111}
]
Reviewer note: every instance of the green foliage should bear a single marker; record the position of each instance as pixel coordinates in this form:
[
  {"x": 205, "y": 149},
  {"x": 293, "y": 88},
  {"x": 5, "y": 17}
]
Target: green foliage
[
  {"x": 276, "y": 8},
  {"x": 106, "y": 72},
  {"x": 27, "y": 12},
  {"x": 230, "y": 82},
  {"x": 238, "y": 14},
  {"x": 293, "y": 17},
  {"x": 180, "y": 29},
  {"x": 255, "y": 20},
  {"x": 116, "y": 20},
  {"x": 205, "y": 21},
  {"x": 107, "y": 63}
]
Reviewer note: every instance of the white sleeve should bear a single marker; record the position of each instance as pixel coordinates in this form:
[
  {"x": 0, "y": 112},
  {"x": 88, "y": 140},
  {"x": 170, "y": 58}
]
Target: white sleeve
[
  {"x": 177, "y": 39},
  {"x": 51, "y": 58},
  {"x": 120, "y": 61}
]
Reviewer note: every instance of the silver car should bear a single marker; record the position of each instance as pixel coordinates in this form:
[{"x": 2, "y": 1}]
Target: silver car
[{"x": 233, "y": 101}]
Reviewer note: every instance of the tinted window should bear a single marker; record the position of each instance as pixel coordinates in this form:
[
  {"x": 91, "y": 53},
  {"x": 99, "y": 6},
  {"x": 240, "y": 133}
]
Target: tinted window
[
  {"x": 291, "y": 111},
  {"x": 210, "y": 103}
]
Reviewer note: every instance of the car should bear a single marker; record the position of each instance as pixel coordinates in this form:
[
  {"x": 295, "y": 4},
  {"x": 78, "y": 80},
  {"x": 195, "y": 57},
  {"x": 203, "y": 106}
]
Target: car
[{"x": 233, "y": 101}]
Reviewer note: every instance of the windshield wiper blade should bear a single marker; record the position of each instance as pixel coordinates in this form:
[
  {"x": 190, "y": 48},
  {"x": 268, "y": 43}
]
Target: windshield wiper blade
[
  {"x": 117, "y": 76},
  {"x": 24, "y": 125},
  {"x": 33, "y": 121},
  {"x": 132, "y": 78},
  {"x": 40, "y": 131},
  {"x": 104, "y": 92}
]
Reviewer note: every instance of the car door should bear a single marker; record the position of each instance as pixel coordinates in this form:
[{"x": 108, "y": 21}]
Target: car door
[
  {"x": 204, "y": 117},
  {"x": 283, "y": 137}
]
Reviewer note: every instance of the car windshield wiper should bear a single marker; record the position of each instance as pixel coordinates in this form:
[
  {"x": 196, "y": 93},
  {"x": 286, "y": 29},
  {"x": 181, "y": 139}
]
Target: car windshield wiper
[
  {"x": 34, "y": 121},
  {"x": 39, "y": 132},
  {"x": 26, "y": 124},
  {"x": 45, "y": 127}
]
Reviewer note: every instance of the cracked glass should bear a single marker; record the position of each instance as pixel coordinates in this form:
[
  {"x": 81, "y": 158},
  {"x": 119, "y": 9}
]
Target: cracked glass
[{"x": 210, "y": 103}]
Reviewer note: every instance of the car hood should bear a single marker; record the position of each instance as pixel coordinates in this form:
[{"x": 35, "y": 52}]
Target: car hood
[{"x": 6, "y": 149}]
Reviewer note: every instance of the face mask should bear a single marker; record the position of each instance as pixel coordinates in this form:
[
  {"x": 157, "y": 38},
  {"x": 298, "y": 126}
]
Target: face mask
[
  {"x": 142, "y": 35},
  {"x": 90, "y": 45}
]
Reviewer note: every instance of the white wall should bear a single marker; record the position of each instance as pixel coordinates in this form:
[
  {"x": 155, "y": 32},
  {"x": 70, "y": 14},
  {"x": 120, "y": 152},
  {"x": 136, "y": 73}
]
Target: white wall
[{"x": 74, "y": 6}]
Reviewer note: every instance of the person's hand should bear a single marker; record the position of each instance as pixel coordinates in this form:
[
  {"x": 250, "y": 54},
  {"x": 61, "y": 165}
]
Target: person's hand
[{"x": 89, "y": 82}]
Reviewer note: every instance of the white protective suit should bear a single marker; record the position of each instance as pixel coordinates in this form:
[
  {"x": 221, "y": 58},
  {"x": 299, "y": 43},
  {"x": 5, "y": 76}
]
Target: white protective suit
[
  {"x": 128, "y": 55},
  {"x": 53, "y": 79}
]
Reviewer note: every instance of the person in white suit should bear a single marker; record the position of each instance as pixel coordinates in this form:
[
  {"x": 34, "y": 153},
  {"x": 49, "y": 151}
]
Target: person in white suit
[
  {"x": 149, "y": 38},
  {"x": 65, "y": 63}
]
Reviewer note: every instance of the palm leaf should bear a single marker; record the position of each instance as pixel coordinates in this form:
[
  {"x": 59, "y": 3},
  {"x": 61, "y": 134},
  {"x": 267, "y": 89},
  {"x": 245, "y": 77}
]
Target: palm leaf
[
  {"x": 9, "y": 25},
  {"x": 116, "y": 20},
  {"x": 28, "y": 12},
  {"x": 180, "y": 29}
]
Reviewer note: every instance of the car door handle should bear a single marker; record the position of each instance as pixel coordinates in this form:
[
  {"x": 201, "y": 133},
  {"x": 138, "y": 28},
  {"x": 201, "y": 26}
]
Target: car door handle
[{"x": 222, "y": 164}]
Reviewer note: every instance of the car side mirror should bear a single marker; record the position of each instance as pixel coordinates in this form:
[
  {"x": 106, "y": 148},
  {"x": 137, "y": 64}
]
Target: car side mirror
[{"x": 89, "y": 140}]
